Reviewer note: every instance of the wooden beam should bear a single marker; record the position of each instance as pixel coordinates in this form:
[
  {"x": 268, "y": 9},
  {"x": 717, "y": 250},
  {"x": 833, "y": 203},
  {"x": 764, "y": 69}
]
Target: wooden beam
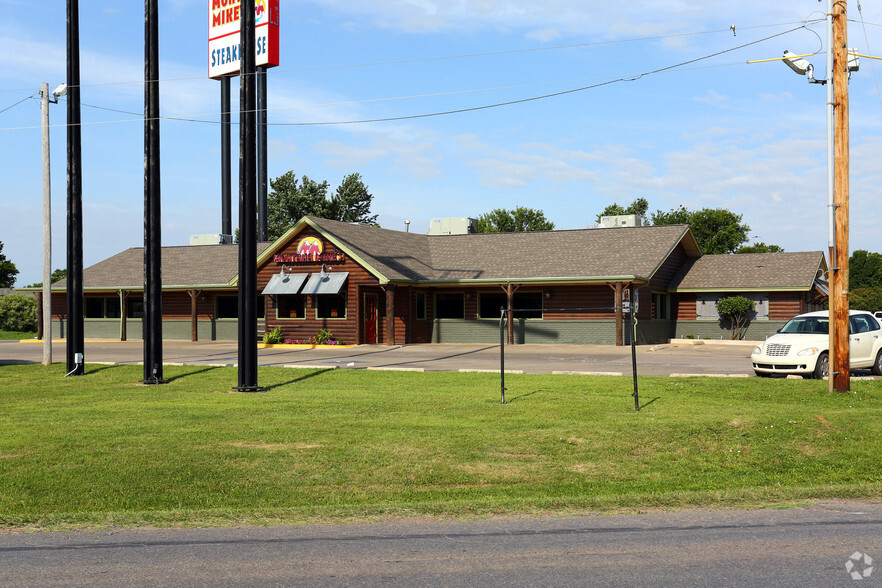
[
  {"x": 390, "y": 314},
  {"x": 194, "y": 317},
  {"x": 839, "y": 367}
]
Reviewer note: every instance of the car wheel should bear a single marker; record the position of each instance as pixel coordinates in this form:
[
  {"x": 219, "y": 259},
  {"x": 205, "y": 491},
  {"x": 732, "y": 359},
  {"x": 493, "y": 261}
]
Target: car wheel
[
  {"x": 822, "y": 367},
  {"x": 877, "y": 365}
]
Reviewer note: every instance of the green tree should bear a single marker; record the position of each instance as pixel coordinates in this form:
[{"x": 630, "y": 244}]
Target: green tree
[
  {"x": 717, "y": 230},
  {"x": 18, "y": 313},
  {"x": 759, "y": 248},
  {"x": 639, "y": 206},
  {"x": 520, "y": 219},
  {"x": 57, "y": 275},
  {"x": 292, "y": 199},
  {"x": 738, "y": 310},
  {"x": 8, "y": 271},
  {"x": 865, "y": 270},
  {"x": 865, "y": 299}
]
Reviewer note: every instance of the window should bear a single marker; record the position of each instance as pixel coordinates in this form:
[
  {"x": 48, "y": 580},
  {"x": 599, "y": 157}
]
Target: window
[
  {"x": 101, "y": 307},
  {"x": 290, "y": 306},
  {"x": 134, "y": 308},
  {"x": 449, "y": 305},
  {"x": 420, "y": 306},
  {"x": 661, "y": 308},
  {"x": 227, "y": 306},
  {"x": 863, "y": 324},
  {"x": 330, "y": 306},
  {"x": 528, "y": 303},
  {"x": 706, "y": 305}
]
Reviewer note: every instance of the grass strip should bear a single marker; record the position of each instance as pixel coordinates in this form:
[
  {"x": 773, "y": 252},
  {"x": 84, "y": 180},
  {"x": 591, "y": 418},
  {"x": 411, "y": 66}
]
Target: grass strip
[{"x": 344, "y": 445}]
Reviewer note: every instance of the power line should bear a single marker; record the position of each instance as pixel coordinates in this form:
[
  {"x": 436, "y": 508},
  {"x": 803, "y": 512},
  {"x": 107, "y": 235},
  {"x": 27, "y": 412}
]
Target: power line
[
  {"x": 869, "y": 51},
  {"x": 276, "y": 70},
  {"x": 17, "y": 103},
  {"x": 552, "y": 95},
  {"x": 630, "y": 78}
]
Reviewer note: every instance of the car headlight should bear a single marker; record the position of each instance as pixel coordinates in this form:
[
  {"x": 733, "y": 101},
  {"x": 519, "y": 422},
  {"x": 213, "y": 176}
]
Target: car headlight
[
  {"x": 758, "y": 350},
  {"x": 809, "y": 351}
]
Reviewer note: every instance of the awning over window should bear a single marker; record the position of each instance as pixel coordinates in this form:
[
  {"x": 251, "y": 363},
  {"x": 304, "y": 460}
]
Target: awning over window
[
  {"x": 824, "y": 287},
  {"x": 282, "y": 283},
  {"x": 322, "y": 283}
]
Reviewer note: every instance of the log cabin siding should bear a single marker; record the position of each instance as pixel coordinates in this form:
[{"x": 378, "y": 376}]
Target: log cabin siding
[
  {"x": 786, "y": 305},
  {"x": 347, "y": 329},
  {"x": 565, "y": 302},
  {"x": 683, "y": 307}
]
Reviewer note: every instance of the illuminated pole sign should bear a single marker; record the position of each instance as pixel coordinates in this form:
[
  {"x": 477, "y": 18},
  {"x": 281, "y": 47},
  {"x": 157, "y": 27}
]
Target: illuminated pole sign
[{"x": 223, "y": 35}]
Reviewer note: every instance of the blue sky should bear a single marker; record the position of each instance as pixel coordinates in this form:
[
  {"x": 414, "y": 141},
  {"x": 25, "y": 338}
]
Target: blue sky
[{"x": 714, "y": 133}]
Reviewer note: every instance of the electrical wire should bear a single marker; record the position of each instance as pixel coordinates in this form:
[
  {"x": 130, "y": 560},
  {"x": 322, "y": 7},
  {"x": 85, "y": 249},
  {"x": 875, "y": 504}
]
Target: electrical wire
[
  {"x": 554, "y": 94},
  {"x": 17, "y": 103},
  {"x": 869, "y": 51},
  {"x": 277, "y": 70},
  {"x": 632, "y": 78}
]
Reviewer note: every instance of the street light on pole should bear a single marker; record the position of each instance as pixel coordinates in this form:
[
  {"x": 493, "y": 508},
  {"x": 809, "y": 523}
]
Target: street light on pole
[
  {"x": 840, "y": 63},
  {"x": 47, "y": 219}
]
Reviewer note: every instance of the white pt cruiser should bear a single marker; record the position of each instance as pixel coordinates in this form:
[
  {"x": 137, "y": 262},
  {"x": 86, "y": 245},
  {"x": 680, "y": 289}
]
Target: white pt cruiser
[{"x": 802, "y": 346}]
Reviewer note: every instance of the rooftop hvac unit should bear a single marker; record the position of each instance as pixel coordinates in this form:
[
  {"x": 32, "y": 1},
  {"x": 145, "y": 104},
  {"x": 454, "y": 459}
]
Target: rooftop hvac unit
[
  {"x": 211, "y": 239},
  {"x": 453, "y": 226},
  {"x": 621, "y": 220}
]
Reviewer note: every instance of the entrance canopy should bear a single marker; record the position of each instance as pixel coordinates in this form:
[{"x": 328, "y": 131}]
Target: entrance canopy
[
  {"x": 283, "y": 283},
  {"x": 325, "y": 283}
]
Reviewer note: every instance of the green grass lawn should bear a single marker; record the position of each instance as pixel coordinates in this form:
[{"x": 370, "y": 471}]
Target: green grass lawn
[
  {"x": 342, "y": 445},
  {"x": 17, "y": 335}
]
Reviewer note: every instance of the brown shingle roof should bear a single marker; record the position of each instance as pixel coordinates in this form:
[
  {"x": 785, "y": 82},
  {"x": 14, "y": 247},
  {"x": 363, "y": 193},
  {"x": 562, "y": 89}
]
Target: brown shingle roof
[
  {"x": 583, "y": 254},
  {"x": 192, "y": 265},
  {"x": 750, "y": 271}
]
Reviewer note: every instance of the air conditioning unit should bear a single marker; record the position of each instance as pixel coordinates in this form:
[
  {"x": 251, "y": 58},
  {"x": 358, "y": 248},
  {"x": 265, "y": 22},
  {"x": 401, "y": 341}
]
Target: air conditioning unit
[
  {"x": 453, "y": 226},
  {"x": 211, "y": 239},
  {"x": 622, "y": 220}
]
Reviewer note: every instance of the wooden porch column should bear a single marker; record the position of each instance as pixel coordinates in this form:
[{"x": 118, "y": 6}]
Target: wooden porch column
[
  {"x": 389, "y": 339},
  {"x": 194, "y": 317},
  {"x": 40, "y": 316},
  {"x": 620, "y": 340},
  {"x": 123, "y": 312},
  {"x": 510, "y": 290}
]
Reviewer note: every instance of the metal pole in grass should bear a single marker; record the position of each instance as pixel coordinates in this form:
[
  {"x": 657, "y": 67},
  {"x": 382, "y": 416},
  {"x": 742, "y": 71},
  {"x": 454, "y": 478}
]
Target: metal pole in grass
[
  {"x": 631, "y": 313},
  {"x": 502, "y": 313}
]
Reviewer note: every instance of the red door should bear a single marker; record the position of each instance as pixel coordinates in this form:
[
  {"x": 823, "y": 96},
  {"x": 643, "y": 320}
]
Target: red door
[{"x": 370, "y": 318}]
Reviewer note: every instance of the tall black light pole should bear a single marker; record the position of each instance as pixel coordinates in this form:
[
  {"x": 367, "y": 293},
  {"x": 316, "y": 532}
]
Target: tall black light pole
[
  {"x": 152, "y": 322},
  {"x": 247, "y": 217},
  {"x": 226, "y": 174},
  {"x": 262, "y": 233},
  {"x": 75, "y": 338}
]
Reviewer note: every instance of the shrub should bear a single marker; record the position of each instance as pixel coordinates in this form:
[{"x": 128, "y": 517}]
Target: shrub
[
  {"x": 738, "y": 310},
  {"x": 273, "y": 337},
  {"x": 326, "y": 337},
  {"x": 18, "y": 313}
]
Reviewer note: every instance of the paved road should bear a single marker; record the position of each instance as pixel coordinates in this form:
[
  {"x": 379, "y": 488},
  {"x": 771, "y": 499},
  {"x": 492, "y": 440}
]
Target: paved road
[{"x": 801, "y": 547}]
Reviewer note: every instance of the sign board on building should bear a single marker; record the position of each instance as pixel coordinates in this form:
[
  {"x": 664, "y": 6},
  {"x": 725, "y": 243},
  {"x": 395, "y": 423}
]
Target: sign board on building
[{"x": 224, "y": 51}]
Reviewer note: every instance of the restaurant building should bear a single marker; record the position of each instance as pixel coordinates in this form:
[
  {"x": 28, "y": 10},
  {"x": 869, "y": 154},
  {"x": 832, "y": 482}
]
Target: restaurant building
[{"x": 371, "y": 285}]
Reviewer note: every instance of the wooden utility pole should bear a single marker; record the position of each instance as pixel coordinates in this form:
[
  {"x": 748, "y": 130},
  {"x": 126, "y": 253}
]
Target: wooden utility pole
[{"x": 839, "y": 367}]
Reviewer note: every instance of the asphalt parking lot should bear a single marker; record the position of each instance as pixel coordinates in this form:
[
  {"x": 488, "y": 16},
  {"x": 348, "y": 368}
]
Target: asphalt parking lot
[
  {"x": 664, "y": 360},
  {"x": 678, "y": 358}
]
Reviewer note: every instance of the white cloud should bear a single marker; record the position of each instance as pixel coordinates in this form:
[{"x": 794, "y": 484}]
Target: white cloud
[{"x": 711, "y": 97}]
